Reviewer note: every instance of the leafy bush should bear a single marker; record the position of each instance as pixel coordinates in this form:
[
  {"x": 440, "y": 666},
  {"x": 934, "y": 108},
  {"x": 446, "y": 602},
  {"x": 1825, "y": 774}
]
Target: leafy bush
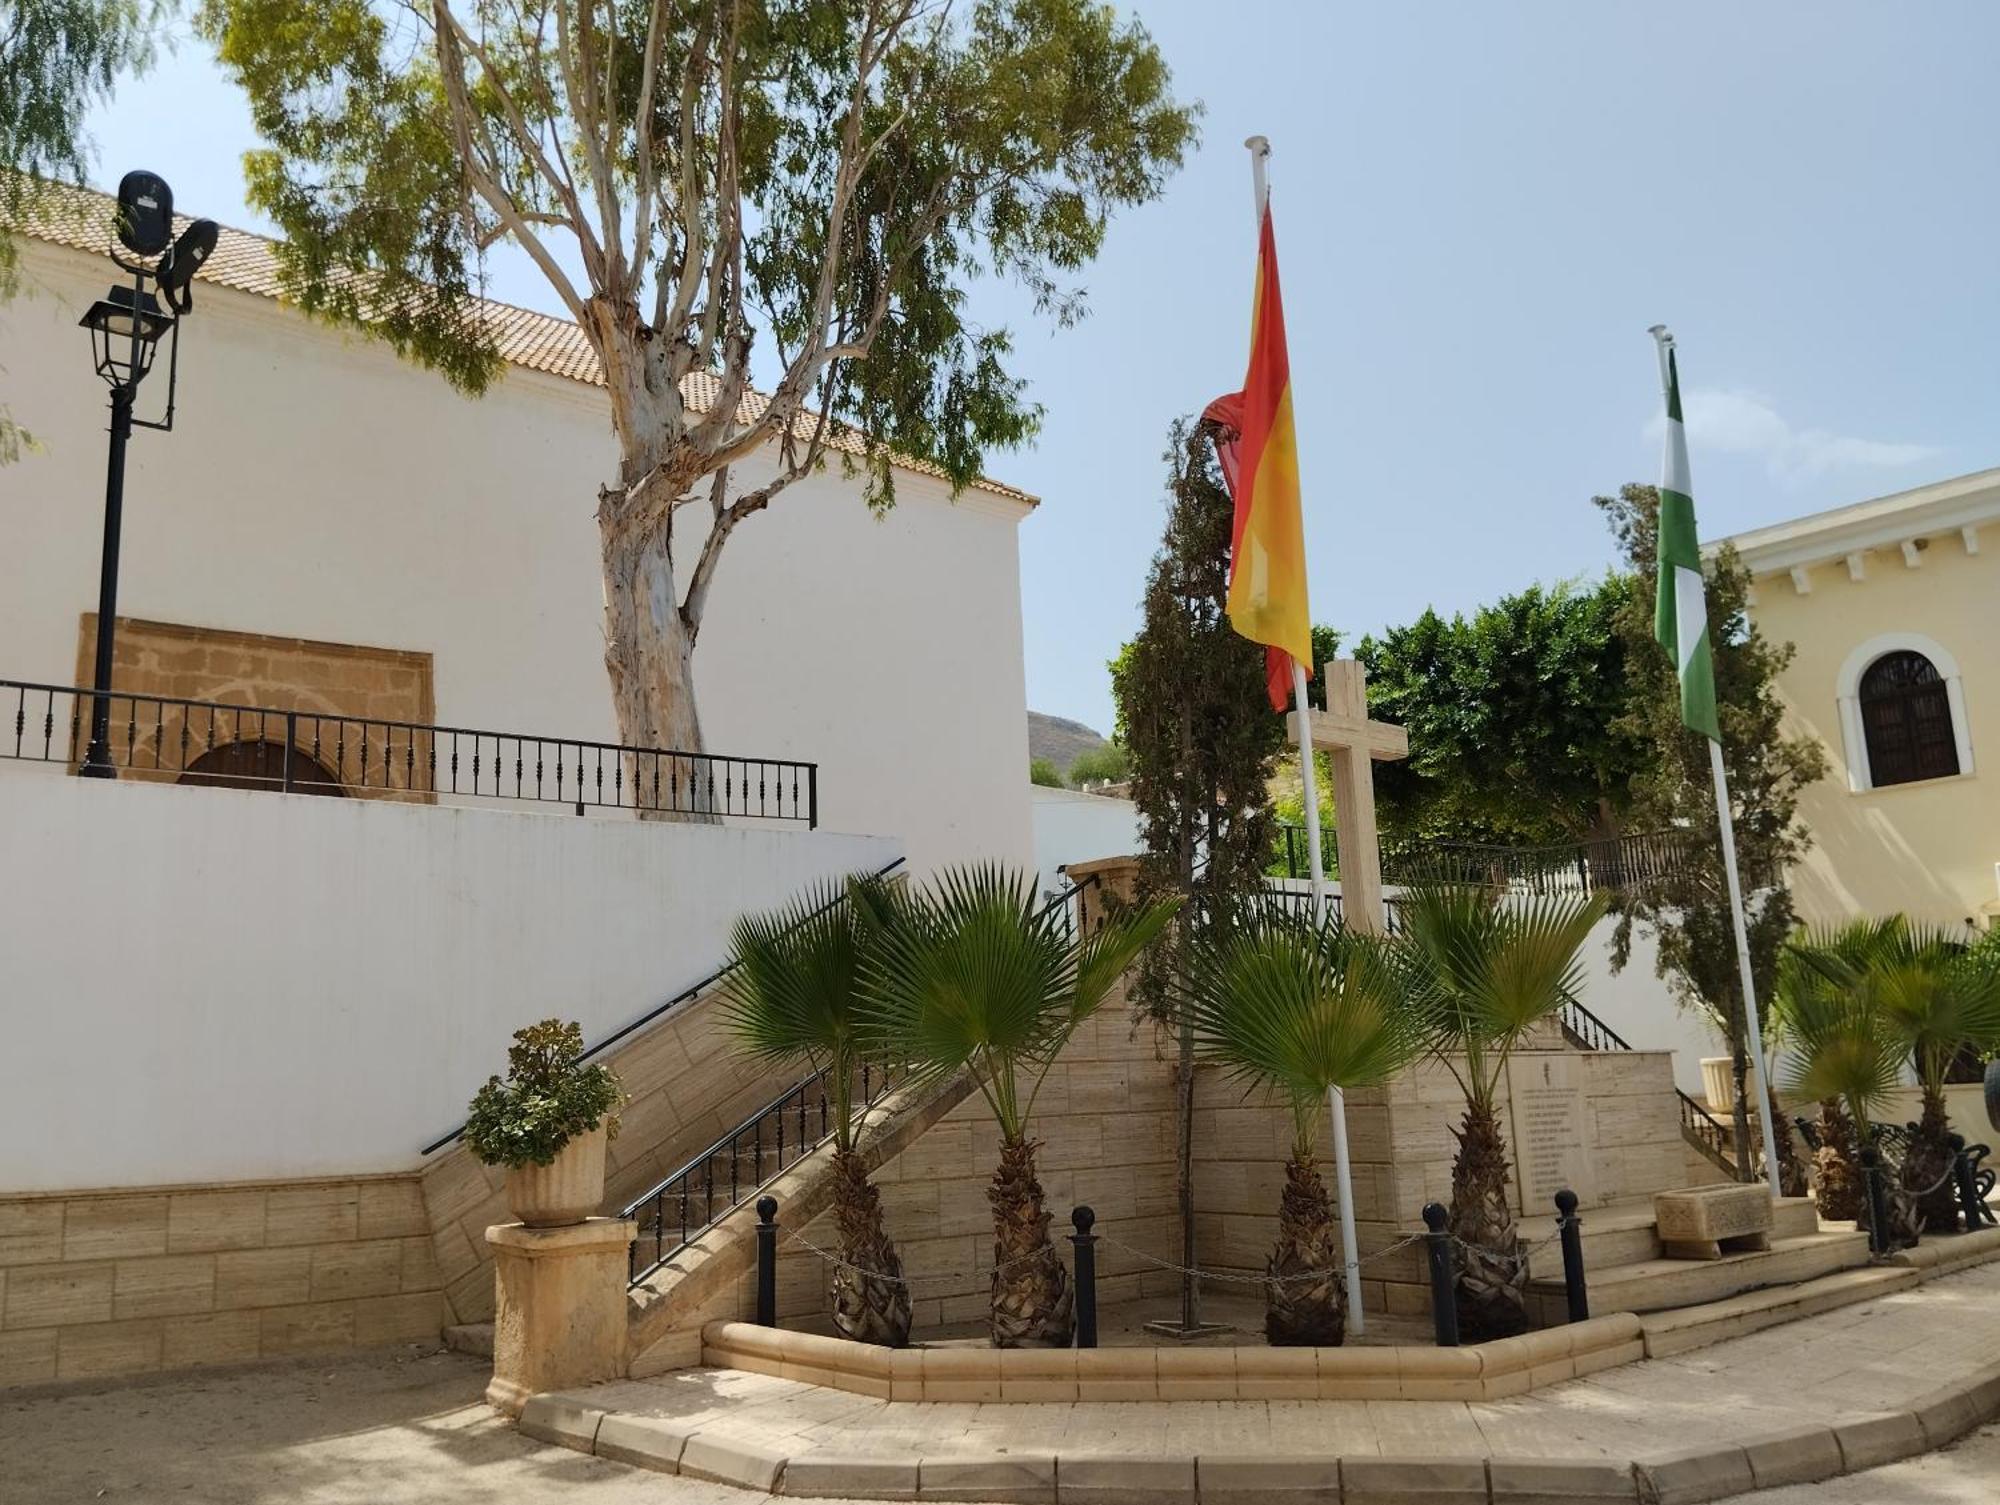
[
  {"x": 548, "y": 1099},
  {"x": 1042, "y": 771},
  {"x": 1109, "y": 764}
]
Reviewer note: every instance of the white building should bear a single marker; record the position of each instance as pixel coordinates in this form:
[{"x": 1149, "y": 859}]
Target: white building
[{"x": 231, "y": 984}]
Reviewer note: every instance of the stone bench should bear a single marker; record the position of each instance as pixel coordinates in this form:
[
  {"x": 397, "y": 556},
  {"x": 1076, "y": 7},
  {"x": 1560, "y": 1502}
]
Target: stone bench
[{"x": 1707, "y": 1222}]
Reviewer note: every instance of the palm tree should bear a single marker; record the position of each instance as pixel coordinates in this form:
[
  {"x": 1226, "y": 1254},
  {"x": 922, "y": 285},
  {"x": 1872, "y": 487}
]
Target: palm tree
[
  {"x": 1836, "y": 1178},
  {"x": 1845, "y": 1046},
  {"x": 1295, "y": 1008},
  {"x": 794, "y": 995},
  {"x": 1486, "y": 969},
  {"x": 977, "y": 976},
  {"x": 1940, "y": 1000}
]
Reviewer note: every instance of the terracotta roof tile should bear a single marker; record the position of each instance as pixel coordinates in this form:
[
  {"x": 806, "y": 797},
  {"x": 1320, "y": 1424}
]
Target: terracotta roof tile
[{"x": 81, "y": 220}]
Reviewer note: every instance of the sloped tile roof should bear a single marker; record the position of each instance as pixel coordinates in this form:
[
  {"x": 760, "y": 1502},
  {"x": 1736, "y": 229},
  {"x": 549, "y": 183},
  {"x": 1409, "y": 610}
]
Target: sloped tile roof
[{"x": 81, "y": 220}]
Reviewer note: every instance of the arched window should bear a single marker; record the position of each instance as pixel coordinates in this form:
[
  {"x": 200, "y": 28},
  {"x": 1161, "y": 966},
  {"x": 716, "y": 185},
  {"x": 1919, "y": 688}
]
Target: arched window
[{"x": 1906, "y": 720}]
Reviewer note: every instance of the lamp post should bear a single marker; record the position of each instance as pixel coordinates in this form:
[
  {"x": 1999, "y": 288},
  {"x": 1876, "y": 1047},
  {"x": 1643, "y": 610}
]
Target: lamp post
[{"x": 126, "y": 326}]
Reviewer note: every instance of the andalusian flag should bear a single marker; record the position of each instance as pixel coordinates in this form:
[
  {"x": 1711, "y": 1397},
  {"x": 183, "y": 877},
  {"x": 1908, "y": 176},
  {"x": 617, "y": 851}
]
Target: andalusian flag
[
  {"x": 1259, "y": 450},
  {"x": 1680, "y": 613}
]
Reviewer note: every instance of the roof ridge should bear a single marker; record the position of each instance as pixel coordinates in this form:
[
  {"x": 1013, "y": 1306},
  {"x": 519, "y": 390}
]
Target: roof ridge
[{"x": 246, "y": 261}]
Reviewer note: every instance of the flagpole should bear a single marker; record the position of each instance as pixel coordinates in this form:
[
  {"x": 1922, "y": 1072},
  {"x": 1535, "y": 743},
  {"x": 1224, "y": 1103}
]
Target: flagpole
[
  {"x": 1726, "y": 828},
  {"x": 1336, "y": 1100}
]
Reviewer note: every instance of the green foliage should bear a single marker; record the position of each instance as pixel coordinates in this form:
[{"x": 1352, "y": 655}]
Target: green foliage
[
  {"x": 1672, "y": 787},
  {"x": 1485, "y": 969},
  {"x": 1515, "y": 719},
  {"x": 978, "y": 975},
  {"x": 1109, "y": 764},
  {"x": 58, "y": 58},
  {"x": 1843, "y": 1043},
  {"x": 1045, "y": 773},
  {"x": 1931, "y": 993},
  {"x": 794, "y": 992},
  {"x": 548, "y": 1099},
  {"x": 1193, "y": 714},
  {"x": 1298, "y": 1007},
  {"x": 816, "y": 176}
]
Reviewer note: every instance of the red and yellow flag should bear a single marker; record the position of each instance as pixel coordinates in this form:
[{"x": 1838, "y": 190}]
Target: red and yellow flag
[{"x": 1258, "y": 447}]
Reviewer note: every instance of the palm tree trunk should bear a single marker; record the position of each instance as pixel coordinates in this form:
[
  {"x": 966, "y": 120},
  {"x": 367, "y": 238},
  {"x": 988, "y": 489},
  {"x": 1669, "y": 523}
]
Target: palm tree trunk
[
  {"x": 1927, "y": 1165},
  {"x": 1304, "y": 1312},
  {"x": 1032, "y": 1299},
  {"x": 1837, "y": 1168},
  {"x": 1792, "y": 1179},
  {"x": 1739, "y": 1116},
  {"x": 1492, "y": 1278},
  {"x": 865, "y": 1308}
]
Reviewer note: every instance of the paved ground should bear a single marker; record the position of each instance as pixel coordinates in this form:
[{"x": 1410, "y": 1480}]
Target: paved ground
[
  {"x": 1962, "y": 1474},
  {"x": 410, "y": 1427},
  {"x": 376, "y": 1430},
  {"x": 1875, "y": 1356}
]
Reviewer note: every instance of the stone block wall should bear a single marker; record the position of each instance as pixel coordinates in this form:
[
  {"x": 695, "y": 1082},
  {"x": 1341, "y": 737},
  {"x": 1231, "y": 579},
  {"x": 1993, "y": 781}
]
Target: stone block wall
[
  {"x": 687, "y": 1087},
  {"x": 1105, "y": 1120},
  {"x": 95, "y": 1284}
]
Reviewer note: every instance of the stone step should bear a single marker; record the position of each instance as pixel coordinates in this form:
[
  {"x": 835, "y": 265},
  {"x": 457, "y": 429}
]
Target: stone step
[
  {"x": 1679, "y": 1331},
  {"x": 1623, "y": 1233},
  {"x": 1660, "y": 1284}
]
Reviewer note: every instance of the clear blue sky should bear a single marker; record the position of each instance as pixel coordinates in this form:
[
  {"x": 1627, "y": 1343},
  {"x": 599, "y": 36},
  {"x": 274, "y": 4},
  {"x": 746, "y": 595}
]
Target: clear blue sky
[{"x": 1479, "y": 211}]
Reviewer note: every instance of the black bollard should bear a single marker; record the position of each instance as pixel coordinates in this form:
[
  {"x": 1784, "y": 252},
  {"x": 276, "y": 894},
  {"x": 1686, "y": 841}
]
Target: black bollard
[
  {"x": 1085, "y": 1242},
  {"x": 1444, "y": 1275},
  {"x": 1968, "y": 1189},
  {"x": 1571, "y": 1227},
  {"x": 767, "y": 1261},
  {"x": 1878, "y": 1201}
]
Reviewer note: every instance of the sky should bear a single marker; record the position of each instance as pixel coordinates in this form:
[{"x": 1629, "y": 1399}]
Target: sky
[{"x": 1479, "y": 211}]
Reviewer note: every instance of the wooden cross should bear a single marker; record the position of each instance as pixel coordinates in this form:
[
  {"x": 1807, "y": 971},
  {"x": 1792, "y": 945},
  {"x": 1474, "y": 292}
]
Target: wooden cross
[{"x": 1344, "y": 730}]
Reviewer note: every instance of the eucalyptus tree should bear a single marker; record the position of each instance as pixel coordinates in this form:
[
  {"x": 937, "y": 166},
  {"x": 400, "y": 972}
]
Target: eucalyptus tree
[
  {"x": 1486, "y": 969},
  {"x": 1293, "y": 1008},
  {"x": 794, "y": 995},
  {"x": 803, "y": 187},
  {"x": 977, "y": 976}
]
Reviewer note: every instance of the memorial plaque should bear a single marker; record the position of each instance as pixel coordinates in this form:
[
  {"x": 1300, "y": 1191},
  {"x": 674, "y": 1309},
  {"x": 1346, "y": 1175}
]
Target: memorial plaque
[{"x": 1551, "y": 1141}]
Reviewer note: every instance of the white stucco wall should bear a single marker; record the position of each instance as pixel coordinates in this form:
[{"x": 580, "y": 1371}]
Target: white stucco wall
[
  {"x": 216, "y": 984},
  {"x": 315, "y": 486},
  {"x": 1071, "y": 826}
]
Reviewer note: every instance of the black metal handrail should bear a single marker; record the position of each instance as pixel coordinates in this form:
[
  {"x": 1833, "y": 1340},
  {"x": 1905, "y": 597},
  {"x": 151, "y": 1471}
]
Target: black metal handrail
[
  {"x": 1585, "y": 1030},
  {"x": 1615, "y": 864},
  {"x": 1707, "y": 1133},
  {"x": 171, "y": 739},
  {"x": 686, "y": 995},
  {"x": 690, "y": 1201}
]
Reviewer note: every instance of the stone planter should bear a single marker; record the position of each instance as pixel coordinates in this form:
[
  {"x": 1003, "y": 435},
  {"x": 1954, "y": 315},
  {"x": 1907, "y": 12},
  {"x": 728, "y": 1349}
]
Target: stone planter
[
  {"x": 566, "y": 1190},
  {"x": 1718, "y": 1085}
]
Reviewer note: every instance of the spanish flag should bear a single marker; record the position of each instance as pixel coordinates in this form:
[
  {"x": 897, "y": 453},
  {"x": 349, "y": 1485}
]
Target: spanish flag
[{"x": 1258, "y": 447}]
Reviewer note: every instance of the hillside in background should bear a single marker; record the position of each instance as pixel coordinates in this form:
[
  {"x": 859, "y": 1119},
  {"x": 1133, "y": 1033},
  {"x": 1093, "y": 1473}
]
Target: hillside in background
[{"x": 1059, "y": 740}]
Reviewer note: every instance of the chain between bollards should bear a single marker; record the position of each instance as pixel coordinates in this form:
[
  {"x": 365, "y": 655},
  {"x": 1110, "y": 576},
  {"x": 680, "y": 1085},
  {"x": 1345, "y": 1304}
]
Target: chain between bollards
[
  {"x": 1085, "y": 1243},
  {"x": 767, "y": 1261},
  {"x": 1444, "y": 1275}
]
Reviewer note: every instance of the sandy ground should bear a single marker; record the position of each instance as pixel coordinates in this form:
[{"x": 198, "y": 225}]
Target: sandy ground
[
  {"x": 1963, "y": 1474},
  {"x": 384, "y": 1429}
]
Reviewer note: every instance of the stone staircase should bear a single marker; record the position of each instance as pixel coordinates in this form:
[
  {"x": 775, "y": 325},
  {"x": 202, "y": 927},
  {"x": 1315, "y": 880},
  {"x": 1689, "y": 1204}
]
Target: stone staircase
[{"x": 1625, "y": 1271}]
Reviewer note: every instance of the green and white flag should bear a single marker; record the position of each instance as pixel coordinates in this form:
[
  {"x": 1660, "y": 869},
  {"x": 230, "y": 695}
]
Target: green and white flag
[{"x": 1680, "y": 614}]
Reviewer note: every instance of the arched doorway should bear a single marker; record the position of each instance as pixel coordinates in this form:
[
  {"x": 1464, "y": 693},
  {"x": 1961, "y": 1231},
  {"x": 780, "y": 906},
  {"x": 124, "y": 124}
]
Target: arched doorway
[{"x": 260, "y": 765}]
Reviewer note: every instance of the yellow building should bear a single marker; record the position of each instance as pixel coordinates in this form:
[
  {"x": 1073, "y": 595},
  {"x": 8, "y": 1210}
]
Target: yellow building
[{"x": 1894, "y": 608}]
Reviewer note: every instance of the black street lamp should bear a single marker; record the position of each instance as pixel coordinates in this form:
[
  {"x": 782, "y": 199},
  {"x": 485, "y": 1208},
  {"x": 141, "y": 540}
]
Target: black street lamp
[{"x": 126, "y": 326}]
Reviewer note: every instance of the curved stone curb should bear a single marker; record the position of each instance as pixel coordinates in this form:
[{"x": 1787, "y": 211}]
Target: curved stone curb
[{"x": 1801, "y": 1455}]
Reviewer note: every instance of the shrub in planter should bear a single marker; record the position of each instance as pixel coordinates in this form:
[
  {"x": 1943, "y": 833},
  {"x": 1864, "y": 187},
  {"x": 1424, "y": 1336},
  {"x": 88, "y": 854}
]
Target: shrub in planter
[{"x": 547, "y": 1123}]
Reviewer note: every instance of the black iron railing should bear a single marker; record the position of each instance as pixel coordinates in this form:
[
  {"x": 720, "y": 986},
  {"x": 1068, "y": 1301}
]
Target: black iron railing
[
  {"x": 1301, "y": 900},
  {"x": 1707, "y": 1133},
  {"x": 717, "y": 1181},
  {"x": 1585, "y": 1030},
  {"x": 1616, "y": 865},
  {"x": 167, "y": 739},
  {"x": 737, "y": 1166}
]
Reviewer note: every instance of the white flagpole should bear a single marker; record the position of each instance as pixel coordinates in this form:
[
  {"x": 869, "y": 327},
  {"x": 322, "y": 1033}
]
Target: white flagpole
[
  {"x": 1336, "y": 1100},
  {"x": 1726, "y": 826}
]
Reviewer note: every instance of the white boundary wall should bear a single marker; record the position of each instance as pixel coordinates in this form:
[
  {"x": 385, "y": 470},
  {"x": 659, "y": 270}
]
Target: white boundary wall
[{"x": 214, "y": 984}]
